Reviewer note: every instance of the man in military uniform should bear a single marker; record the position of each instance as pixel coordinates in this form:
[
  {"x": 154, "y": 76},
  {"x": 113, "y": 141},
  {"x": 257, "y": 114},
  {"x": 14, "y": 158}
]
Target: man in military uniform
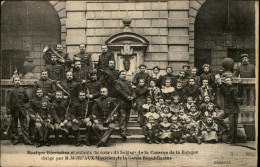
[
  {"x": 47, "y": 85},
  {"x": 80, "y": 118},
  {"x": 103, "y": 60},
  {"x": 43, "y": 124},
  {"x": 61, "y": 117},
  {"x": 141, "y": 75},
  {"x": 84, "y": 58},
  {"x": 109, "y": 77},
  {"x": 231, "y": 108},
  {"x": 102, "y": 109},
  {"x": 245, "y": 70},
  {"x": 17, "y": 97},
  {"x": 125, "y": 98},
  {"x": 167, "y": 75},
  {"x": 79, "y": 75},
  {"x": 35, "y": 105},
  {"x": 69, "y": 87},
  {"x": 55, "y": 70}
]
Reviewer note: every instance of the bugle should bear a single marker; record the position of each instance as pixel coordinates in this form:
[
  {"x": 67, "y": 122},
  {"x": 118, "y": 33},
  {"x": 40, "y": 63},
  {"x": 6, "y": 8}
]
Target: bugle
[{"x": 50, "y": 49}]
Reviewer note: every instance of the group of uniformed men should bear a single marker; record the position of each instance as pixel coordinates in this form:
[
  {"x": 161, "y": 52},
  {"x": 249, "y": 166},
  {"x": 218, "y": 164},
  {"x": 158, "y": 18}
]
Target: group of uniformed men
[{"x": 71, "y": 95}]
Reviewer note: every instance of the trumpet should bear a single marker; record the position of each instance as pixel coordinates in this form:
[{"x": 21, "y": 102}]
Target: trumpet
[{"x": 49, "y": 48}]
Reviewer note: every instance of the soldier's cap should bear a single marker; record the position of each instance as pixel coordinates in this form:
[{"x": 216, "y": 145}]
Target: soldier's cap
[
  {"x": 186, "y": 65},
  {"x": 244, "y": 55},
  {"x": 93, "y": 72},
  {"x": 142, "y": 65},
  {"x": 205, "y": 65},
  {"x": 76, "y": 58}
]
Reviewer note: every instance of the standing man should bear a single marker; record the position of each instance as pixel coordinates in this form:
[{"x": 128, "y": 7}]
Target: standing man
[
  {"x": 109, "y": 77},
  {"x": 79, "y": 74},
  {"x": 102, "y": 110},
  {"x": 84, "y": 58},
  {"x": 141, "y": 75},
  {"x": 186, "y": 69},
  {"x": 55, "y": 70},
  {"x": 125, "y": 97},
  {"x": 231, "y": 107},
  {"x": 245, "y": 70},
  {"x": 17, "y": 97},
  {"x": 208, "y": 76},
  {"x": 47, "y": 85},
  {"x": 104, "y": 59},
  {"x": 167, "y": 75}
]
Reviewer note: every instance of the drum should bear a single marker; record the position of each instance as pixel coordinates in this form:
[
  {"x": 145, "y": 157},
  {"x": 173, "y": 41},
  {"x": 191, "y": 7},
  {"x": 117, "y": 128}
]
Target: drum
[{"x": 75, "y": 126}]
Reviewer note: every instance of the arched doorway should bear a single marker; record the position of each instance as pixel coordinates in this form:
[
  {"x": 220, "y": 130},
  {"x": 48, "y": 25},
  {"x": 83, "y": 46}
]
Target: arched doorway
[
  {"x": 210, "y": 25},
  {"x": 26, "y": 27}
]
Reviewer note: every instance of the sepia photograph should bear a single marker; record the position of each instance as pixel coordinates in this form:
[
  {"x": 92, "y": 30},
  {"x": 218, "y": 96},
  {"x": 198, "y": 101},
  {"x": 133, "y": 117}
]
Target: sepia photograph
[{"x": 129, "y": 83}]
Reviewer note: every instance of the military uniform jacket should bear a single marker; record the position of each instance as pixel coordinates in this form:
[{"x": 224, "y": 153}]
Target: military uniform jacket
[
  {"x": 246, "y": 71},
  {"x": 140, "y": 75},
  {"x": 45, "y": 114},
  {"x": 79, "y": 75},
  {"x": 71, "y": 87},
  {"x": 35, "y": 104},
  {"x": 109, "y": 76},
  {"x": 104, "y": 59},
  {"x": 86, "y": 61},
  {"x": 58, "y": 112},
  {"x": 124, "y": 89},
  {"x": 103, "y": 107},
  {"x": 164, "y": 77},
  {"x": 94, "y": 88},
  {"x": 55, "y": 71},
  {"x": 78, "y": 111},
  {"x": 230, "y": 99},
  {"x": 48, "y": 86},
  {"x": 16, "y": 99}
]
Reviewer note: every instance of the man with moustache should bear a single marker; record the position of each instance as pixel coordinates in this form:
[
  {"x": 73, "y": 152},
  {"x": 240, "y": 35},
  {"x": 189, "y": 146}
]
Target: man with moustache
[
  {"x": 55, "y": 71},
  {"x": 104, "y": 59},
  {"x": 102, "y": 109},
  {"x": 245, "y": 70},
  {"x": 47, "y": 85},
  {"x": 77, "y": 114},
  {"x": 16, "y": 100},
  {"x": 84, "y": 58},
  {"x": 125, "y": 97},
  {"x": 70, "y": 86},
  {"x": 79, "y": 75},
  {"x": 207, "y": 75},
  {"x": 167, "y": 75},
  {"x": 141, "y": 75},
  {"x": 61, "y": 118},
  {"x": 109, "y": 77}
]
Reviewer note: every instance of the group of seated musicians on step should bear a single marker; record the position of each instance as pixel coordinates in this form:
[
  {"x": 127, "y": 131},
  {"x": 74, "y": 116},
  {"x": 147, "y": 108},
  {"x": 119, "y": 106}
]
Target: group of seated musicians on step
[{"x": 72, "y": 98}]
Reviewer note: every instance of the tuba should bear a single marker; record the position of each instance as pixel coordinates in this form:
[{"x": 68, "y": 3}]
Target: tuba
[{"x": 48, "y": 48}]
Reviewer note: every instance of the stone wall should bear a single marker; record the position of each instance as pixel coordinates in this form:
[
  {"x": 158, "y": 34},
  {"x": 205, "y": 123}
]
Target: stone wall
[{"x": 164, "y": 24}]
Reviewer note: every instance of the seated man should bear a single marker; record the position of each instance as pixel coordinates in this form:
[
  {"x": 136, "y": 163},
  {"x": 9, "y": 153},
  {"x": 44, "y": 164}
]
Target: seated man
[
  {"x": 78, "y": 116},
  {"x": 103, "y": 115}
]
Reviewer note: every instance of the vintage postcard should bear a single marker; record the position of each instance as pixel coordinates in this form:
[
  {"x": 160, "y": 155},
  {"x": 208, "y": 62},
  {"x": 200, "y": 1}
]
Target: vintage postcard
[{"x": 129, "y": 83}]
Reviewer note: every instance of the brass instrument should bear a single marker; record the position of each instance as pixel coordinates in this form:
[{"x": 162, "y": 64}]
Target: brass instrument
[
  {"x": 62, "y": 89},
  {"x": 86, "y": 112},
  {"x": 111, "y": 114},
  {"x": 50, "y": 49}
]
